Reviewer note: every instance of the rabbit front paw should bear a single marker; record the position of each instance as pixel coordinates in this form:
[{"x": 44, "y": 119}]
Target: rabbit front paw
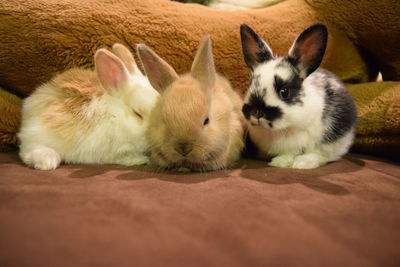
[
  {"x": 133, "y": 160},
  {"x": 308, "y": 161},
  {"x": 284, "y": 161},
  {"x": 43, "y": 158}
]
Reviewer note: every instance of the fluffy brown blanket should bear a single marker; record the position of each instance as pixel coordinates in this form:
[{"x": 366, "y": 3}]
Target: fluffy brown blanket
[{"x": 42, "y": 37}]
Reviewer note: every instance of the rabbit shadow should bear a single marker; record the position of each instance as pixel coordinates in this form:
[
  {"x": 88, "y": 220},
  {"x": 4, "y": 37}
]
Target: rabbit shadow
[
  {"x": 87, "y": 171},
  {"x": 183, "y": 177},
  {"x": 246, "y": 168},
  {"x": 142, "y": 172},
  {"x": 313, "y": 178}
]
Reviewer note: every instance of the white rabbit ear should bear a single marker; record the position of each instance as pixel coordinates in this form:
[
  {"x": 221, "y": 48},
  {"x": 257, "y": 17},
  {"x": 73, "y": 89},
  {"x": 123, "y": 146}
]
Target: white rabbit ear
[
  {"x": 127, "y": 58},
  {"x": 309, "y": 48},
  {"x": 158, "y": 71},
  {"x": 255, "y": 50},
  {"x": 203, "y": 68},
  {"x": 110, "y": 70}
]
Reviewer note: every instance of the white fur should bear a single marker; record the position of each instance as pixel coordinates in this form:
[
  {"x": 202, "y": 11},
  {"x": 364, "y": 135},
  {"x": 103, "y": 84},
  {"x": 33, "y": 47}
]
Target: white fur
[
  {"x": 115, "y": 136},
  {"x": 296, "y": 137},
  {"x": 241, "y": 4},
  {"x": 301, "y": 117}
]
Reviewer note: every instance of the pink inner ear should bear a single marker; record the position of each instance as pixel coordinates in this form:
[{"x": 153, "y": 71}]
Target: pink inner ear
[
  {"x": 159, "y": 72},
  {"x": 153, "y": 68},
  {"x": 309, "y": 48},
  {"x": 252, "y": 47},
  {"x": 110, "y": 71}
]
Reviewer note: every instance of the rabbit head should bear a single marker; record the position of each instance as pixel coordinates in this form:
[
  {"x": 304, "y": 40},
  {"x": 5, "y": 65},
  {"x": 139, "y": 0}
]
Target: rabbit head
[
  {"x": 191, "y": 125},
  {"x": 121, "y": 78},
  {"x": 279, "y": 96}
]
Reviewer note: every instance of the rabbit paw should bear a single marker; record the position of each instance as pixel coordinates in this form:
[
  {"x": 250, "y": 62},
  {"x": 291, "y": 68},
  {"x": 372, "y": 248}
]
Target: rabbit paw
[
  {"x": 307, "y": 161},
  {"x": 133, "y": 160},
  {"x": 43, "y": 158},
  {"x": 284, "y": 161}
]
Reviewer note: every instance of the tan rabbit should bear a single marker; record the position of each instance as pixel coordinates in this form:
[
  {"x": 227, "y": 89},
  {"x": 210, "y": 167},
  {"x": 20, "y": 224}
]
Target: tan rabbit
[{"x": 197, "y": 123}]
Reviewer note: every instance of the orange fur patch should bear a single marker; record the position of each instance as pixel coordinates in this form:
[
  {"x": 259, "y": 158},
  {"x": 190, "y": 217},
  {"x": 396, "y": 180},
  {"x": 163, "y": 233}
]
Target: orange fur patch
[{"x": 65, "y": 113}]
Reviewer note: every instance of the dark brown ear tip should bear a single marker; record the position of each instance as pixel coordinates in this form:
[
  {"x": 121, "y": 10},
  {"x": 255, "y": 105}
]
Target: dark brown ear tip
[
  {"x": 247, "y": 32},
  {"x": 244, "y": 27},
  {"x": 319, "y": 27}
]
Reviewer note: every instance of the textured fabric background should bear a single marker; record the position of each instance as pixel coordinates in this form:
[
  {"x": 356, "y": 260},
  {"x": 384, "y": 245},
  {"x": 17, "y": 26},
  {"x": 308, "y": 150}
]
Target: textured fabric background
[
  {"x": 10, "y": 117},
  {"x": 373, "y": 26},
  {"x": 378, "y": 129},
  {"x": 40, "y": 38}
]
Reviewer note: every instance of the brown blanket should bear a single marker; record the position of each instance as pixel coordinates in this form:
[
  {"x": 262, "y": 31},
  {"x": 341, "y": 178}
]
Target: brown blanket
[
  {"x": 41, "y": 38},
  {"x": 343, "y": 214}
]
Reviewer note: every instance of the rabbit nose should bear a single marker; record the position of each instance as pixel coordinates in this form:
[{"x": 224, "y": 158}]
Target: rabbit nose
[
  {"x": 257, "y": 115},
  {"x": 183, "y": 148}
]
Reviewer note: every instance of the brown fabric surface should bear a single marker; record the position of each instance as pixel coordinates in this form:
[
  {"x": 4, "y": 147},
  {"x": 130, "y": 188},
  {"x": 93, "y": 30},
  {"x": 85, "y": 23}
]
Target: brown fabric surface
[{"x": 343, "y": 214}]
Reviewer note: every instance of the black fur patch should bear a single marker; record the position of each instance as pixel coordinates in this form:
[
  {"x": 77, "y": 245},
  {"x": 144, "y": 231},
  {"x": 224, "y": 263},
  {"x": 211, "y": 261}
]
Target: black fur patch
[
  {"x": 294, "y": 85},
  {"x": 256, "y": 107},
  {"x": 250, "y": 149},
  {"x": 291, "y": 62},
  {"x": 339, "y": 110}
]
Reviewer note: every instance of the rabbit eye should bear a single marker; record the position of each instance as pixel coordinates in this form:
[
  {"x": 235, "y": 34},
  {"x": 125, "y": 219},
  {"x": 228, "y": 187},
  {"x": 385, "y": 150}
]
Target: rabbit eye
[
  {"x": 284, "y": 93},
  {"x": 137, "y": 114},
  {"x": 206, "y": 121}
]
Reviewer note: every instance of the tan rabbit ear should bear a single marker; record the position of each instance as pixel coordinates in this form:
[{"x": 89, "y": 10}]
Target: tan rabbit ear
[
  {"x": 158, "y": 71},
  {"x": 126, "y": 56},
  {"x": 203, "y": 68},
  {"x": 110, "y": 70}
]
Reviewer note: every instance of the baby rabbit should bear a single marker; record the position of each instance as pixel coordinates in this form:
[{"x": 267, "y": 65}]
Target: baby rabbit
[
  {"x": 197, "y": 123},
  {"x": 299, "y": 114},
  {"x": 85, "y": 116}
]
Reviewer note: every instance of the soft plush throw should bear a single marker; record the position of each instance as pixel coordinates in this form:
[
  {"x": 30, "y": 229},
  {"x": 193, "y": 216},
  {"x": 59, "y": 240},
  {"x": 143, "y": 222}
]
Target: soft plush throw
[{"x": 40, "y": 38}]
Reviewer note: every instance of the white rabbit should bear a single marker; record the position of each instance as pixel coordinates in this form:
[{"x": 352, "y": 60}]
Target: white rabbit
[
  {"x": 300, "y": 115},
  {"x": 86, "y": 116}
]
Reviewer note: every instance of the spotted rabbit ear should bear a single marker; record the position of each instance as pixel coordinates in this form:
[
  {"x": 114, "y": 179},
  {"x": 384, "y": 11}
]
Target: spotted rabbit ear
[
  {"x": 112, "y": 73},
  {"x": 255, "y": 50},
  {"x": 203, "y": 68},
  {"x": 309, "y": 48},
  {"x": 127, "y": 58},
  {"x": 158, "y": 71}
]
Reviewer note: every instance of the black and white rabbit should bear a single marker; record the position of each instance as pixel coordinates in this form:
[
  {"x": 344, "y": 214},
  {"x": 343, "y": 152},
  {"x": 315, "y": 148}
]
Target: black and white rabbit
[{"x": 299, "y": 114}]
